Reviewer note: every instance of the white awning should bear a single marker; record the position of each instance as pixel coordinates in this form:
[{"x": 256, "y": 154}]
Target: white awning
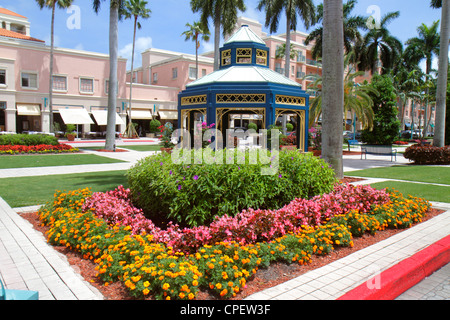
[
  {"x": 28, "y": 110},
  {"x": 75, "y": 116},
  {"x": 101, "y": 117},
  {"x": 168, "y": 115},
  {"x": 141, "y": 114}
]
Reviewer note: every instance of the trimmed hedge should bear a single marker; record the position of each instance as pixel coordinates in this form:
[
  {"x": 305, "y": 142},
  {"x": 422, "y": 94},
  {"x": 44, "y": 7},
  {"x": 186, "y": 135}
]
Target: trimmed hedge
[
  {"x": 194, "y": 194},
  {"x": 28, "y": 140},
  {"x": 426, "y": 154}
]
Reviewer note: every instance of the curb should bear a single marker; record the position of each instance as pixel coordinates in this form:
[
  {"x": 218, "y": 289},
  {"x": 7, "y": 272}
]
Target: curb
[{"x": 405, "y": 274}]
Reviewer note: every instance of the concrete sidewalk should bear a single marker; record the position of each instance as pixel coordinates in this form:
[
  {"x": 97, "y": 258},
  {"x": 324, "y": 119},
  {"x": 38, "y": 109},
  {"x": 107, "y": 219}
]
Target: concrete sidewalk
[{"x": 27, "y": 262}]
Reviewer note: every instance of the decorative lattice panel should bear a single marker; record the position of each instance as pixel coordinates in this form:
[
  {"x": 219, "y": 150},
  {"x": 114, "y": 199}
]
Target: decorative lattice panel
[
  {"x": 290, "y": 100},
  {"x": 187, "y": 101},
  {"x": 240, "y": 98}
]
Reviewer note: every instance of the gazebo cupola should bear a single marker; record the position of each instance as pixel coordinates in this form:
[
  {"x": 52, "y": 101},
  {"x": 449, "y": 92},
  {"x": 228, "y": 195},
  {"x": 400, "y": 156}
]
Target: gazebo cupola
[
  {"x": 244, "y": 87},
  {"x": 244, "y": 48}
]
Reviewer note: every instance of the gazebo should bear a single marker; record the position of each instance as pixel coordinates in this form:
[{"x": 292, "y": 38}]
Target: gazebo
[{"x": 244, "y": 85}]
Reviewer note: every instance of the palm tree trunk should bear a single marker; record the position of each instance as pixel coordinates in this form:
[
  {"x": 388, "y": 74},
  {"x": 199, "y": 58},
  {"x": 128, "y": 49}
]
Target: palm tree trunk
[
  {"x": 131, "y": 83},
  {"x": 50, "y": 85},
  {"x": 439, "y": 134},
  {"x": 112, "y": 93},
  {"x": 287, "y": 52},
  {"x": 216, "y": 41},
  {"x": 196, "y": 56},
  {"x": 333, "y": 85}
]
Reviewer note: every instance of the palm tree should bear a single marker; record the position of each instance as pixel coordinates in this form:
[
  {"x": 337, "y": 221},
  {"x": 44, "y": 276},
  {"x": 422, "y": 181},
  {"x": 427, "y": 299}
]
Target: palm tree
[
  {"x": 304, "y": 8},
  {"x": 333, "y": 84},
  {"x": 379, "y": 45},
  {"x": 425, "y": 45},
  {"x": 223, "y": 14},
  {"x": 439, "y": 130},
  {"x": 134, "y": 9},
  {"x": 356, "y": 97},
  {"x": 352, "y": 25},
  {"x": 404, "y": 81},
  {"x": 193, "y": 33},
  {"x": 62, "y": 4},
  {"x": 281, "y": 51},
  {"x": 116, "y": 9}
]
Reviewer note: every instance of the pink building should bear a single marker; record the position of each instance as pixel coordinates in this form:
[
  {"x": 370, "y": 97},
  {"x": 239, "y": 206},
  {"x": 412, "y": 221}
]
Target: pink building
[{"x": 80, "y": 85}]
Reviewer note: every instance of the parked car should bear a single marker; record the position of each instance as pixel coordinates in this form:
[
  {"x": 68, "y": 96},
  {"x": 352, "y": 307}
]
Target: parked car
[{"x": 407, "y": 133}]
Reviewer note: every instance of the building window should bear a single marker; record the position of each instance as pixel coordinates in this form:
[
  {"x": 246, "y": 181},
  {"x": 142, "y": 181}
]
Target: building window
[
  {"x": 278, "y": 68},
  {"x": 86, "y": 85},
  {"x": 174, "y": 73},
  {"x": 29, "y": 80},
  {"x": 261, "y": 57},
  {"x": 192, "y": 73},
  {"x": 2, "y": 76},
  {"x": 60, "y": 83},
  {"x": 244, "y": 55},
  {"x": 203, "y": 72},
  {"x": 155, "y": 77},
  {"x": 226, "y": 57}
]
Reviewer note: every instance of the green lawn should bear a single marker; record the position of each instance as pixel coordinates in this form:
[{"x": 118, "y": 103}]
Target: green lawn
[
  {"x": 426, "y": 191},
  {"x": 28, "y": 161},
  {"x": 430, "y": 174},
  {"x": 29, "y": 191}
]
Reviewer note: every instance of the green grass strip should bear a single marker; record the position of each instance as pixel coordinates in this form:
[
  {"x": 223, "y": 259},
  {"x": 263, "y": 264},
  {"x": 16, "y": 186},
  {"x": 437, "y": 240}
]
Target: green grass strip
[
  {"x": 29, "y": 191},
  {"x": 426, "y": 191},
  {"x": 429, "y": 174},
  {"x": 29, "y": 161}
]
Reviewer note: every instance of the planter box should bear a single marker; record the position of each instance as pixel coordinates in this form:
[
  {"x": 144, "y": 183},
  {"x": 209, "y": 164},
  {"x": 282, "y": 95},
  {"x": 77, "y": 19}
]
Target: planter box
[{"x": 168, "y": 150}]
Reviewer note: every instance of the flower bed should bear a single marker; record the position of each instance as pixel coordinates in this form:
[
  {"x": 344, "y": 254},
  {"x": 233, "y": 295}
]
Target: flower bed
[
  {"x": 148, "y": 266},
  {"x": 42, "y": 148}
]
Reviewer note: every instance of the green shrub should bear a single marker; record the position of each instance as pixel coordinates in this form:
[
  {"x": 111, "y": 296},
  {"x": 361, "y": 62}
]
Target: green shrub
[
  {"x": 289, "y": 127},
  {"x": 27, "y": 139},
  {"x": 253, "y": 126},
  {"x": 427, "y": 154},
  {"x": 193, "y": 194},
  {"x": 154, "y": 124}
]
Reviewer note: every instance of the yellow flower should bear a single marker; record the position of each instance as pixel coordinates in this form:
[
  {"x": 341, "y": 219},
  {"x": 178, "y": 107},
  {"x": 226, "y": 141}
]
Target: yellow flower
[
  {"x": 219, "y": 286},
  {"x": 182, "y": 295},
  {"x": 195, "y": 283},
  {"x": 145, "y": 291},
  {"x": 191, "y": 296},
  {"x": 166, "y": 286},
  {"x": 146, "y": 284}
]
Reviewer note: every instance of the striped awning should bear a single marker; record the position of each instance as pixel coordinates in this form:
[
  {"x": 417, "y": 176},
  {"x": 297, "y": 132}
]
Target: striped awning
[
  {"x": 75, "y": 116},
  {"x": 141, "y": 114},
  {"x": 28, "y": 110},
  {"x": 101, "y": 117}
]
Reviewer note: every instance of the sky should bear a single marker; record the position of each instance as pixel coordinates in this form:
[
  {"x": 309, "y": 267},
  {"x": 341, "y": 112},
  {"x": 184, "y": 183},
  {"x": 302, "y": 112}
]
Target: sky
[{"x": 81, "y": 28}]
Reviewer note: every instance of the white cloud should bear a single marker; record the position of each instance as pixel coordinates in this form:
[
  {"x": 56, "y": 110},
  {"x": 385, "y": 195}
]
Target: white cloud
[
  {"x": 142, "y": 43},
  {"x": 207, "y": 46},
  {"x": 56, "y": 40}
]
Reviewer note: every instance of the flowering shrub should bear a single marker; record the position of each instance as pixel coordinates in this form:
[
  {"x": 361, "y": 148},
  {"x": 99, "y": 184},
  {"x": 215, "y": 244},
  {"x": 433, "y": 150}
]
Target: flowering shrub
[
  {"x": 426, "y": 154},
  {"x": 249, "y": 226},
  {"x": 192, "y": 194},
  {"x": 147, "y": 266},
  {"x": 42, "y": 148}
]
